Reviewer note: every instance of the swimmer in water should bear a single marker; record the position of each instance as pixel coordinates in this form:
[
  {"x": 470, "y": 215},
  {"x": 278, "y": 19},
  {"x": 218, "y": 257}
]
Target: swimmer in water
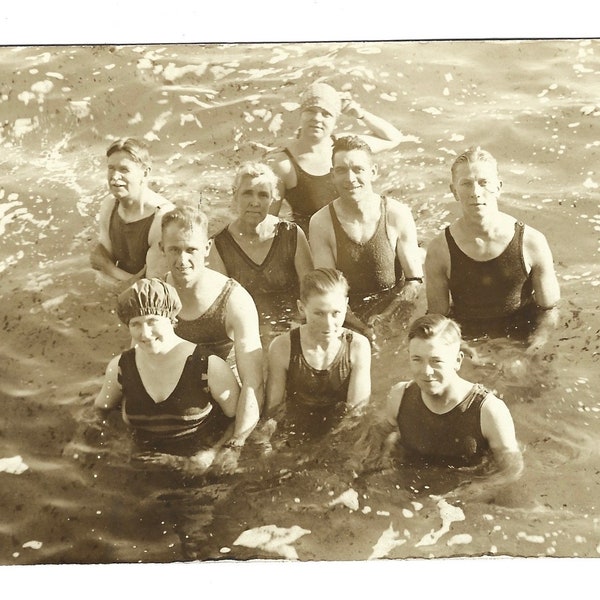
[
  {"x": 262, "y": 252},
  {"x": 320, "y": 371},
  {"x": 439, "y": 417},
  {"x": 304, "y": 165},
  {"x": 490, "y": 272},
  {"x": 130, "y": 217},
  {"x": 177, "y": 399}
]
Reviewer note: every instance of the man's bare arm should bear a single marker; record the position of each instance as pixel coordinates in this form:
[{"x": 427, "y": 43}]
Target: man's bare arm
[
  {"x": 320, "y": 237},
  {"x": 437, "y": 284}
]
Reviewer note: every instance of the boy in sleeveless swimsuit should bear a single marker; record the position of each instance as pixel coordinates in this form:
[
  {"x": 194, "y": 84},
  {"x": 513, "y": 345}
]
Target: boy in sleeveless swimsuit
[
  {"x": 176, "y": 398},
  {"x": 441, "y": 418},
  {"x": 493, "y": 274},
  {"x": 129, "y": 218},
  {"x": 320, "y": 370}
]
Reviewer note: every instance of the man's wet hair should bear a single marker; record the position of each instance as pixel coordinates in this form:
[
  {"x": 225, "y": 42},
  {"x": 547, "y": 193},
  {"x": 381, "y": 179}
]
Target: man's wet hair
[
  {"x": 347, "y": 143},
  {"x": 322, "y": 281},
  {"x": 137, "y": 149},
  {"x": 472, "y": 155},
  {"x": 187, "y": 217},
  {"x": 433, "y": 325}
]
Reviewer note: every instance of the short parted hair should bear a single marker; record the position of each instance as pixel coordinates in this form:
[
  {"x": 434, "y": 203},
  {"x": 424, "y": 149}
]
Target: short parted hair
[
  {"x": 322, "y": 281},
  {"x": 347, "y": 143},
  {"x": 260, "y": 171},
  {"x": 187, "y": 217},
  {"x": 134, "y": 147},
  {"x": 434, "y": 325},
  {"x": 473, "y": 154}
]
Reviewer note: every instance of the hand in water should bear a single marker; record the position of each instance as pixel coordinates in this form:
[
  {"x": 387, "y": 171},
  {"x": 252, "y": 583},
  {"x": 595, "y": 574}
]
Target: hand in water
[
  {"x": 226, "y": 461},
  {"x": 202, "y": 461}
]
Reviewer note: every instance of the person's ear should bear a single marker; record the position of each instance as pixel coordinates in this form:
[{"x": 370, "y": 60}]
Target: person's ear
[
  {"x": 374, "y": 170},
  {"x": 301, "y": 310},
  {"x": 453, "y": 190},
  {"x": 209, "y": 244},
  {"x": 459, "y": 359}
]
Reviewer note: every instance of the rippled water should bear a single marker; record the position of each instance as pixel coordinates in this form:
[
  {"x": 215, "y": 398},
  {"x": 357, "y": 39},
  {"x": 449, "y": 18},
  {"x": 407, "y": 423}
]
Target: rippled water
[{"x": 85, "y": 497}]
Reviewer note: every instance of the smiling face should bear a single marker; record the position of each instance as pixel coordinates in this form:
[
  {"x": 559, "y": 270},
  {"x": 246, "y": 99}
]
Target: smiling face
[
  {"x": 324, "y": 314},
  {"x": 353, "y": 174},
  {"x": 151, "y": 333},
  {"x": 253, "y": 198},
  {"x": 434, "y": 364},
  {"x": 126, "y": 177},
  {"x": 185, "y": 250},
  {"x": 317, "y": 122},
  {"x": 476, "y": 186}
]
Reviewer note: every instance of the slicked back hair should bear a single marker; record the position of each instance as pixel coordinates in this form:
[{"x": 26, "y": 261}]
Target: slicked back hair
[
  {"x": 473, "y": 154},
  {"x": 322, "y": 281},
  {"x": 433, "y": 325},
  {"x": 347, "y": 143},
  {"x": 137, "y": 149}
]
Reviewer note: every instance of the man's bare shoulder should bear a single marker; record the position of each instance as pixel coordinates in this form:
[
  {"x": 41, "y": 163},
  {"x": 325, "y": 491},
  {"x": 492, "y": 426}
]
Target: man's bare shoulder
[
  {"x": 398, "y": 212},
  {"x": 240, "y": 300},
  {"x": 437, "y": 253},
  {"x": 533, "y": 237},
  {"x": 279, "y": 348}
]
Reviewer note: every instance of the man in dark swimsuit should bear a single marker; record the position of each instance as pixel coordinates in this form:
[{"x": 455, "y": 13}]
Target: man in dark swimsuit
[
  {"x": 493, "y": 274},
  {"x": 372, "y": 240},
  {"x": 215, "y": 309},
  {"x": 441, "y": 419},
  {"x": 304, "y": 164},
  {"x": 129, "y": 218}
]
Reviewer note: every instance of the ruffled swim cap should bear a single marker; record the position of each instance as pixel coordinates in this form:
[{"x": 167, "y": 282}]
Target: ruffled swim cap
[
  {"x": 148, "y": 297},
  {"x": 322, "y": 95}
]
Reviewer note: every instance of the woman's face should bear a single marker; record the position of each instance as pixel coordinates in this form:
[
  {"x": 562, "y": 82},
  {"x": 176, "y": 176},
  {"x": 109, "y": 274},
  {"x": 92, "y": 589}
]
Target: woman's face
[
  {"x": 150, "y": 332},
  {"x": 126, "y": 177},
  {"x": 317, "y": 122},
  {"x": 253, "y": 199}
]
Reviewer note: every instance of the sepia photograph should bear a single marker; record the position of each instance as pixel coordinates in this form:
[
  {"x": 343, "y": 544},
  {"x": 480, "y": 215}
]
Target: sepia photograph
[{"x": 300, "y": 301}]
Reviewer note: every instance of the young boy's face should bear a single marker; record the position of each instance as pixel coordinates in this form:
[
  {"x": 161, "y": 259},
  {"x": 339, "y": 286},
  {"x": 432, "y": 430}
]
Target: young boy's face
[
  {"x": 325, "y": 313},
  {"x": 434, "y": 363}
]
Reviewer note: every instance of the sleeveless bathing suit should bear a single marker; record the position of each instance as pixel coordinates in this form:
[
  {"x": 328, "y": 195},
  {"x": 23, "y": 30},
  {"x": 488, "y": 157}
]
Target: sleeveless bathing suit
[
  {"x": 492, "y": 296},
  {"x": 129, "y": 241},
  {"x": 208, "y": 331},
  {"x": 277, "y": 273},
  {"x": 318, "y": 387},
  {"x": 188, "y": 411},
  {"x": 311, "y": 193},
  {"x": 454, "y": 437},
  {"x": 490, "y": 288},
  {"x": 370, "y": 267},
  {"x": 316, "y": 397}
]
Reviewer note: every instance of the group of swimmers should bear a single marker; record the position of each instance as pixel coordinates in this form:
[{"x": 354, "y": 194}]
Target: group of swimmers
[{"x": 352, "y": 258}]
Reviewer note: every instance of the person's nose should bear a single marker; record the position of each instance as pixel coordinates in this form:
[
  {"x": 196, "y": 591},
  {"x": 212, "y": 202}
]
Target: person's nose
[
  {"x": 145, "y": 331},
  {"x": 427, "y": 369}
]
